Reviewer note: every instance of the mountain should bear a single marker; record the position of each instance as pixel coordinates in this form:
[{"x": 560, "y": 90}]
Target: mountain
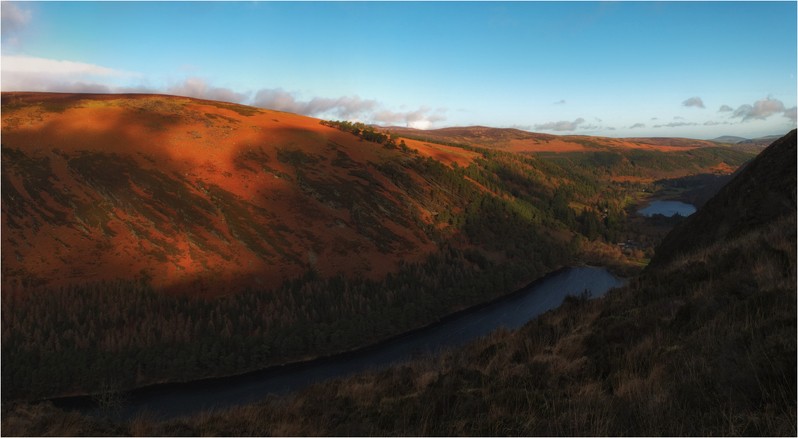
[
  {"x": 196, "y": 194},
  {"x": 761, "y": 141},
  {"x": 211, "y": 197},
  {"x": 516, "y": 140},
  {"x": 730, "y": 139},
  {"x": 701, "y": 343},
  {"x": 218, "y": 239}
]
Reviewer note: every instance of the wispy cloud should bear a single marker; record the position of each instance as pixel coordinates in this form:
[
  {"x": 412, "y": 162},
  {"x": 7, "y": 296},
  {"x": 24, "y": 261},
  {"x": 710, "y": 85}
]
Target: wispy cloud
[
  {"x": 34, "y": 65},
  {"x": 561, "y": 125},
  {"x": 760, "y": 110},
  {"x": 790, "y": 114},
  {"x": 559, "y": 102},
  {"x": 521, "y": 127},
  {"x": 638, "y": 125},
  {"x": 199, "y": 88},
  {"x": 725, "y": 109},
  {"x": 694, "y": 101},
  {"x": 676, "y": 124},
  {"x": 27, "y": 73},
  {"x": 347, "y": 107},
  {"x": 14, "y": 19},
  {"x": 422, "y": 118}
]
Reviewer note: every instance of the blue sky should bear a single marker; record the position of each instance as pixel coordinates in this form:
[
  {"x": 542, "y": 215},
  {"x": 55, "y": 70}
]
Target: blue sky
[{"x": 615, "y": 69}]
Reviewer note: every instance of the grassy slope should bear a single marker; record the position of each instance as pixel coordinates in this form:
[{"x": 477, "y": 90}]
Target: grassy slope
[{"x": 701, "y": 344}]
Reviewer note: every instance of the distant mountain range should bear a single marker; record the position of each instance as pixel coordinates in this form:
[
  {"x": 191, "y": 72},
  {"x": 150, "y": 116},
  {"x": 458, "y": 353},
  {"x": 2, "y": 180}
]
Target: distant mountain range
[
  {"x": 759, "y": 141},
  {"x": 516, "y": 140}
]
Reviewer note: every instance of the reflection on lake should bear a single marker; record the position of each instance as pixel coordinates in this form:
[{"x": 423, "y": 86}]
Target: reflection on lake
[{"x": 667, "y": 209}]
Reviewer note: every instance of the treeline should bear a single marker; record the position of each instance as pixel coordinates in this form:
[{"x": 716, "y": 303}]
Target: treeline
[
  {"x": 368, "y": 133},
  {"x": 647, "y": 163}
]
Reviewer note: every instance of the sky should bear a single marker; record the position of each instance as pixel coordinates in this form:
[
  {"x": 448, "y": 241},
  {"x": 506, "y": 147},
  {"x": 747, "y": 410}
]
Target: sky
[{"x": 620, "y": 69}]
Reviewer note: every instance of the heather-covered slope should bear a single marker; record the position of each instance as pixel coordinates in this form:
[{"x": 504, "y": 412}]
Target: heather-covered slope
[{"x": 194, "y": 195}]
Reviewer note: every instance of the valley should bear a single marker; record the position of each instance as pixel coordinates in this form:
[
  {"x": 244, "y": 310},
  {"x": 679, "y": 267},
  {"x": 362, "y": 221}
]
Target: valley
[
  {"x": 204, "y": 230},
  {"x": 660, "y": 355},
  {"x": 398, "y": 218}
]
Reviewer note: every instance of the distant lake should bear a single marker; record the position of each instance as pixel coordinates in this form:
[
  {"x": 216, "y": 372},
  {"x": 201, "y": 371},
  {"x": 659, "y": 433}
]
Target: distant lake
[
  {"x": 667, "y": 209},
  {"x": 511, "y": 311}
]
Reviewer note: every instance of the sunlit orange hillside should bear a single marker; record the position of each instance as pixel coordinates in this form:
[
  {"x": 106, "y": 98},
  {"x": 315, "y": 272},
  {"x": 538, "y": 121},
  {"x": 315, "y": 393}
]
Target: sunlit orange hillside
[
  {"x": 195, "y": 193},
  {"x": 209, "y": 197}
]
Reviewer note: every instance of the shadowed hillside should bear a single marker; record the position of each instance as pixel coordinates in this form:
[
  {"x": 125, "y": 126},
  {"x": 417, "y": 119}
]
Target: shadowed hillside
[{"x": 762, "y": 191}]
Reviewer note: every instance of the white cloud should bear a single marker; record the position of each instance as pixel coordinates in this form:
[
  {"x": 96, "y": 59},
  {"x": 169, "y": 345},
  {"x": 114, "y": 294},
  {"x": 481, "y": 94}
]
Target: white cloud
[
  {"x": 743, "y": 111},
  {"x": 694, "y": 101},
  {"x": 521, "y": 127},
  {"x": 676, "y": 124},
  {"x": 33, "y": 65},
  {"x": 13, "y": 20},
  {"x": 725, "y": 109},
  {"x": 196, "y": 87},
  {"x": 27, "y": 73},
  {"x": 561, "y": 125},
  {"x": 422, "y": 118},
  {"x": 761, "y": 109},
  {"x": 790, "y": 113},
  {"x": 346, "y": 107}
]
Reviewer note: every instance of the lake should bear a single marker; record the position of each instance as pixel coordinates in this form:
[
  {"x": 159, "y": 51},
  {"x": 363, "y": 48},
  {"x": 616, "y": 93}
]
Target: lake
[
  {"x": 513, "y": 311},
  {"x": 667, "y": 208}
]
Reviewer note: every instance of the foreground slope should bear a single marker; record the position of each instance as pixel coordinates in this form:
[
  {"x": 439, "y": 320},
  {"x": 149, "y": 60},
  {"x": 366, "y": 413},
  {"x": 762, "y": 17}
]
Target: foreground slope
[
  {"x": 762, "y": 192},
  {"x": 702, "y": 344}
]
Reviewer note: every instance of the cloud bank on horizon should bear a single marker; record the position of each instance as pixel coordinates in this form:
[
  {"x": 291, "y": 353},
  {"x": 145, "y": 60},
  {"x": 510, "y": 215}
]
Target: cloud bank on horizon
[{"x": 528, "y": 99}]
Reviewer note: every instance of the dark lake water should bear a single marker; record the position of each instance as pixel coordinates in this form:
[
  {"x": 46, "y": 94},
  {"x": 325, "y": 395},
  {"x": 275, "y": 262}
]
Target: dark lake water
[
  {"x": 667, "y": 208},
  {"x": 513, "y": 311}
]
